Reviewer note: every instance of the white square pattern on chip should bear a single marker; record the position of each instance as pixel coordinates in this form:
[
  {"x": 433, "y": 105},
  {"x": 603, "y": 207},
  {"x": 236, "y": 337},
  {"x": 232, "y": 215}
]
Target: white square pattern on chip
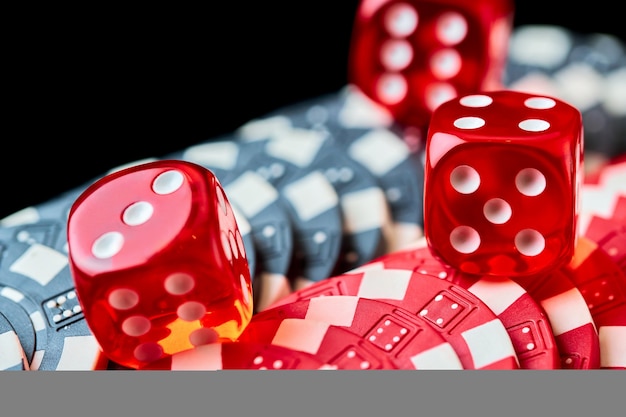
[
  {"x": 359, "y": 111},
  {"x": 380, "y": 151},
  {"x": 311, "y": 195},
  {"x": 612, "y": 346},
  {"x": 567, "y": 311},
  {"x": 264, "y": 128},
  {"x": 10, "y": 357},
  {"x": 497, "y": 294},
  {"x": 221, "y": 154},
  {"x": 440, "y": 357},
  {"x": 251, "y": 192},
  {"x": 203, "y": 358},
  {"x": 298, "y": 334},
  {"x": 335, "y": 310},
  {"x": 486, "y": 343},
  {"x": 298, "y": 146},
  {"x": 79, "y": 353},
  {"x": 25, "y": 216},
  {"x": 40, "y": 263},
  {"x": 368, "y": 210},
  {"x": 388, "y": 284}
]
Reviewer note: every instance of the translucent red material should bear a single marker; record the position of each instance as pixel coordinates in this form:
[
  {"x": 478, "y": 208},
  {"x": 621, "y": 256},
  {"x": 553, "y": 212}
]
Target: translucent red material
[
  {"x": 158, "y": 262},
  {"x": 412, "y": 55},
  {"x": 502, "y": 175}
]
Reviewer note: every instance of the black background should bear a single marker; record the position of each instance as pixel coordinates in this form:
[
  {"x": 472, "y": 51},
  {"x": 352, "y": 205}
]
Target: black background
[{"x": 90, "y": 89}]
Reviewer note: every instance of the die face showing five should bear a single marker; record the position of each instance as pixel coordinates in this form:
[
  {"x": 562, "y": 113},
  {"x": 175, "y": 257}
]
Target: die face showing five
[
  {"x": 158, "y": 261},
  {"x": 502, "y": 175},
  {"x": 412, "y": 55}
]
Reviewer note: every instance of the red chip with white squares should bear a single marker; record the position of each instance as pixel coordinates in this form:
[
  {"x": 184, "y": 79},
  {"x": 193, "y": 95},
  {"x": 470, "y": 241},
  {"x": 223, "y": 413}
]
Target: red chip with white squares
[
  {"x": 238, "y": 356},
  {"x": 478, "y": 336},
  {"x": 396, "y": 338},
  {"x": 524, "y": 319},
  {"x": 602, "y": 283}
]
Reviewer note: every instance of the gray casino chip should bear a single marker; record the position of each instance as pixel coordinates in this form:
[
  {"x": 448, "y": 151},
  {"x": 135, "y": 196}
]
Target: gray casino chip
[
  {"x": 37, "y": 297},
  {"x": 308, "y": 198},
  {"x": 367, "y": 134},
  {"x": 586, "y": 70},
  {"x": 12, "y": 356},
  {"x": 365, "y": 212},
  {"x": 261, "y": 203}
]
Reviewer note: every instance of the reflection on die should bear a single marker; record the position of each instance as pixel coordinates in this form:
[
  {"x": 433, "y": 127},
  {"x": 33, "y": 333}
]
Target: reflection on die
[
  {"x": 158, "y": 261},
  {"x": 503, "y": 171}
]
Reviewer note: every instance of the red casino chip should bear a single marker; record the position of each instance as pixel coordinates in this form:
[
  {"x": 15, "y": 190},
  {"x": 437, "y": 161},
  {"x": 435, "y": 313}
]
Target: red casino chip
[
  {"x": 335, "y": 346},
  {"x": 525, "y": 320},
  {"x": 611, "y": 237},
  {"x": 573, "y": 327},
  {"x": 602, "y": 283},
  {"x": 474, "y": 331},
  {"x": 603, "y": 197},
  {"x": 238, "y": 356},
  {"x": 382, "y": 336}
]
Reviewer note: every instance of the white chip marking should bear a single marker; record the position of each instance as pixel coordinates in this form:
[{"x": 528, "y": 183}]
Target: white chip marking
[
  {"x": 11, "y": 353},
  {"x": 612, "y": 346},
  {"x": 40, "y": 263},
  {"x": 298, "y": 146},
  {"x": 384, "y": 283},
  {"x": 79, "y": 353},
  {"x": 220, "y": 154},
  {"x": 27, "y": 215},
  {"x": 498, "y": 294},
  {"x": 567, "y": 311},
  {"x": 251, "y": 192},
  {"x": 380, "y": 151},
  {"x": 265, "y": 128},
  {"x": 201, "y": 358},
  {"x": 487, "y": 343},
  {"x": 359, "y": 111},
  {"x": 366, "y": 209},
  {"x": 298, "y": 334},
  {"x": 311, "y": 195},
  {"x": 334, "y": 310},
  {"x": 440, "y": 357}
]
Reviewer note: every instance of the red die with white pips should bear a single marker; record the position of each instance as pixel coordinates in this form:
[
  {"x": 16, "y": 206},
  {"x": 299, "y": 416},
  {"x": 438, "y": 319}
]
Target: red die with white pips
[
  {"x": 158, "y": 262},
  {"x": 412, "y": 55},
  {"x": 502, "y": 175}
]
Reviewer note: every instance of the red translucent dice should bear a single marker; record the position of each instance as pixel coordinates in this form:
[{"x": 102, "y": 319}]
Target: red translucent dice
[
  {"x": 502, "y": 175},
  {"x": 158, "y": 262},
  {"x": 412, "y": 55}
]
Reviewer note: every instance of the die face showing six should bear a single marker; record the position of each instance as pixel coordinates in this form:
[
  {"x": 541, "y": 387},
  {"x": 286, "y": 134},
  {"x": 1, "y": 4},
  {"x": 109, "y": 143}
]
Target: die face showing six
[
  {"x": 502, "y": 175},
  {"x": 158, "y": 261},
  {"x": 412, "y": 55}
]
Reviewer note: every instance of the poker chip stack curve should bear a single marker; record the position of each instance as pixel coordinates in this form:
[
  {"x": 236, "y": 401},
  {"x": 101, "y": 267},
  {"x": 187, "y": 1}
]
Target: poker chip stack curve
[{"x": 328, "y": 197}]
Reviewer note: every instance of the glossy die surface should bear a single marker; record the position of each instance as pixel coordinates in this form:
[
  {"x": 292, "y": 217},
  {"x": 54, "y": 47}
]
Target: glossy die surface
[
  {"x": 158, "y": 262},
  {"x": 502, "y": 175},
  {"x": 412, "y": 55}
]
